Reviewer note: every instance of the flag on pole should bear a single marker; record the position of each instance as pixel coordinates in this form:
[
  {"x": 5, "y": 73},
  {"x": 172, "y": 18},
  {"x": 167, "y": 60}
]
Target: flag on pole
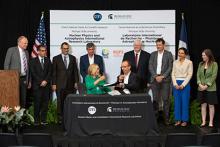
[
  {"x": 183, "y": 35},
  {"x": 40, "y": 38}
]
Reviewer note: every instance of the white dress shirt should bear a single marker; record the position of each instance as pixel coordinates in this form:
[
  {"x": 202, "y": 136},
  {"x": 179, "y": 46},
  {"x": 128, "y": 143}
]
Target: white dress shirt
[
  {"x": 139, "y": 53},
  {"x": 126, "y": 78},
  {"x": 22, "y": 53},
  {"x": 159, "y": 62},
  {"x": 41, "y": 58},
  {"x": 91, "y": 59},
  {"x": 67, "y": 59}
]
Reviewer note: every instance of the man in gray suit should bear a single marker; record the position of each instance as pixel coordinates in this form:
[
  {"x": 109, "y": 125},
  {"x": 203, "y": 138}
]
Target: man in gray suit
[
  {"x": 17, "y": 58},
  {"x": 160, "y": 67}
]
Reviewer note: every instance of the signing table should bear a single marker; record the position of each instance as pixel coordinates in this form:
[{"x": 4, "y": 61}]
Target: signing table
[{"x": 122, "y": 115}]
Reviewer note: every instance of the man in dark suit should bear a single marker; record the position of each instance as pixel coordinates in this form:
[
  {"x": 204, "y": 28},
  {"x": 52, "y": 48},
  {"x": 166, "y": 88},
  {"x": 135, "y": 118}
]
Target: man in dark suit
[
  {"x": 41, "y": 72},
  {"x": 128, "y": 80},
  {"x": 90, "y": 58},
  {"x": 160, "y": 67},
  {"x": 17, "y": 58},
  {"x": 139, "y": 59},
  {"x": 65, "y": 76}
]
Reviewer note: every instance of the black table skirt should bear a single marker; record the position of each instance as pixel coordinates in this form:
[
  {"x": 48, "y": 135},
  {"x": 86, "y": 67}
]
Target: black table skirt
[{"x": 123, "y": 115}]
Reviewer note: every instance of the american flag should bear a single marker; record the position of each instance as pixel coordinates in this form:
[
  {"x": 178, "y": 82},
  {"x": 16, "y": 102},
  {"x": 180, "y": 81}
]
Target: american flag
[{"x": 40, "y": 37}]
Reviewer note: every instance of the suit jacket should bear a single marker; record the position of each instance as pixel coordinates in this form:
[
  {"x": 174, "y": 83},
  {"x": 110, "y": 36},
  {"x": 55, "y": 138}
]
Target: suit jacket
[
  {"x": 13, "y": 60},
  {"x": 166, "y": 68},
  {"x": 142, "y": 69},
  {"x": 40, "y": 74},
  {"x": 64, "y": 78},
  {"x": 209, "y": 78},
  {"x": 133, "y": 83},
  {"x": 84, "y": 64}
]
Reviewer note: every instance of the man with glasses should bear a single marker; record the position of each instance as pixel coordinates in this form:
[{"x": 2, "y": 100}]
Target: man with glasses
[
  {"x": 128, "y": 81},
  {"x": 41, "y": 70},
  {"x": 65, "y": 76}
]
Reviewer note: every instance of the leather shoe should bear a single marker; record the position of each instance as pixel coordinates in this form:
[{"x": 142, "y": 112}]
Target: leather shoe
[
  {"x": 202, "y": 125},
  {"x": 44, "y": 123},
  {"x": 211, "y": 126}
]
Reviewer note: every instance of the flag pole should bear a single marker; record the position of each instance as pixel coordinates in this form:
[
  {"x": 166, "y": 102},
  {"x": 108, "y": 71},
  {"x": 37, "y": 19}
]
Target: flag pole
[
  {"x": 182, "y": 15},
  {"x": 42, "y": 13}
]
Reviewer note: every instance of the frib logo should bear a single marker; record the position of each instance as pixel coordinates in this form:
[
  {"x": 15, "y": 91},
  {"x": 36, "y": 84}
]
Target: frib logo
[
  {"x": 105, "y": 53},
  {"x": 97, "y": 16},
  {"x": 92, "y": 110},
  {"x": 118, "y": 53}
]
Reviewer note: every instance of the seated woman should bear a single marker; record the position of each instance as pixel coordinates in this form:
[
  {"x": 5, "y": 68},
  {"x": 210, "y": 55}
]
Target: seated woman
[{"x": 95, "y": 82}]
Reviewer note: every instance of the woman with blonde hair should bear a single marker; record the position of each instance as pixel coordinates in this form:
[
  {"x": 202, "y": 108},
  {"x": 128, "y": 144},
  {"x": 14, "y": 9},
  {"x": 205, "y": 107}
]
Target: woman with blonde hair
[
  {"x": 95, "y": 82},
  {"x": 206, "y": 80}
]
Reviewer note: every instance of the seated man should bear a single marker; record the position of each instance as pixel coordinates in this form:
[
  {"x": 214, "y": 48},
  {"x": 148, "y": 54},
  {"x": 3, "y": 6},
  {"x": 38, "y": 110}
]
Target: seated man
[{"x": 128, "y": 82}]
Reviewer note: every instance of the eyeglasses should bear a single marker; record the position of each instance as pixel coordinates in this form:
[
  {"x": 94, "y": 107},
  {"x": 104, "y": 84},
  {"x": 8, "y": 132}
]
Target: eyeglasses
[
  {"x": 65, "y": 48},
  {"x": 124, "y": 66},
  {"x": 43, "y": 50}
]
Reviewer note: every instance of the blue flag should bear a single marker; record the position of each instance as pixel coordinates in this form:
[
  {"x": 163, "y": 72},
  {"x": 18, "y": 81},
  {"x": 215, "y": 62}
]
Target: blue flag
[
  {"x": 40, "y": 37},
  {"x": 183, "y": 35}
]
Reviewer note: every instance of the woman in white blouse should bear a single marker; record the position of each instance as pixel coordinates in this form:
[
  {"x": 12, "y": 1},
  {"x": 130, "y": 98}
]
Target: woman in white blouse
[{"x": 181, "y": 75}]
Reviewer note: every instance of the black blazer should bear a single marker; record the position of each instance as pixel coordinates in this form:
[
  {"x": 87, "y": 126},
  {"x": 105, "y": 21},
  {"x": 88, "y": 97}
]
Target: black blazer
[
  {"x": 142, "y": 69},
  {"x": 65, "y": 78},
  {"x": 38, "y": 74},
  {"x": 84, "y": 64},
  {"x": 133, "y": 84}
]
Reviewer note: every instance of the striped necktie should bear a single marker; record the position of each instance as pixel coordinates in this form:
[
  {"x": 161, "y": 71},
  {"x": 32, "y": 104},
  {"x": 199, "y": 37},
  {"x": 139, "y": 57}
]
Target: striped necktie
[
  {"x": 24, "y": 60},
  {"x": 65, "y": 61}
]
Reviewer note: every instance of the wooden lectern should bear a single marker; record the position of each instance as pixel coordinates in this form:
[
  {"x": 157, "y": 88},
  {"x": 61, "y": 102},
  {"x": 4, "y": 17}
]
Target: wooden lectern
[{"x": 9, "y": 88}]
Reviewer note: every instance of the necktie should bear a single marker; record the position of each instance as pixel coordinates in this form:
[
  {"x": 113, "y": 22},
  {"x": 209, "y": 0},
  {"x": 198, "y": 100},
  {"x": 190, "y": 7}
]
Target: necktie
[
  {"x": 65, "y": 61},
  {"x": 24, "y": 60},
  {"x": 136, "y": 60},
  {"x": 42, "y": 63}
]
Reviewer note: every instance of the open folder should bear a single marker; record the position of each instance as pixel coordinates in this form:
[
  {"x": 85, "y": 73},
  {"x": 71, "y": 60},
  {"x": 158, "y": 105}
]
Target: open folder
[{"x": 111, "y": 84}]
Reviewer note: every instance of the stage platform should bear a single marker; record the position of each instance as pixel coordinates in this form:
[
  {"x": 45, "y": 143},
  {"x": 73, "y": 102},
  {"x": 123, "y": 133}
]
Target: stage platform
[{"x": 61, "y": 140}]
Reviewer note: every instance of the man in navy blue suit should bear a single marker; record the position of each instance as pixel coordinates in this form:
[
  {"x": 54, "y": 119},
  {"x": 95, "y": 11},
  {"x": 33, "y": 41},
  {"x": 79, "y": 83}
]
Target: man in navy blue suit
[
  {"x": 139, "y": 60},
  {"x": 90, "y": 58},
  {"x": 41, "y": 71}
]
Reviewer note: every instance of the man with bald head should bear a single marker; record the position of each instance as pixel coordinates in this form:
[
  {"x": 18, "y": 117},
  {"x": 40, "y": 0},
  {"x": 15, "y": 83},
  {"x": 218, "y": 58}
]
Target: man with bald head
[
  {"x": 17, "y": 58},
  {"x": 127, "y": 80},
  {"x": 138, "y": 58}
]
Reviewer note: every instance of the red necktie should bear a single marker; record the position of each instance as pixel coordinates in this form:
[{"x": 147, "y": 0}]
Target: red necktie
[{"x": 136, "y": 60}]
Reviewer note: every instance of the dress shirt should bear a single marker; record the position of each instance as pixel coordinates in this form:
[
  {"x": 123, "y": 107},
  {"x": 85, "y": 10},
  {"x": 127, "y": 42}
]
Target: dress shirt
[
  {"x": 159, "y": 62},
  {"x": 126, "y": 78},
  {"x": 22, "y": 52},
  {"x": 139, "y": 53},
  {"x": 91, "y": 59},
  {"x": 67, "y": 59}
]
